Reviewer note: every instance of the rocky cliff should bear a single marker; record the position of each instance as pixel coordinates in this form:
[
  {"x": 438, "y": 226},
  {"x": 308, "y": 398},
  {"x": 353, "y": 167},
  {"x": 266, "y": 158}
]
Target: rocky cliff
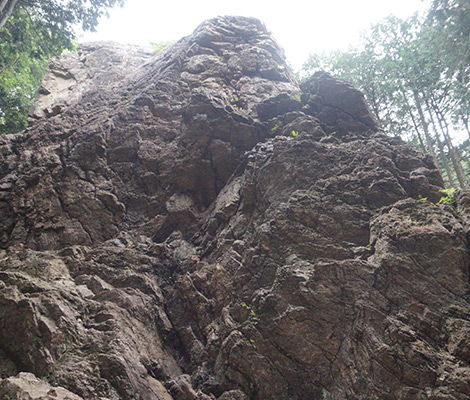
[{"x": 195, "y": 225}]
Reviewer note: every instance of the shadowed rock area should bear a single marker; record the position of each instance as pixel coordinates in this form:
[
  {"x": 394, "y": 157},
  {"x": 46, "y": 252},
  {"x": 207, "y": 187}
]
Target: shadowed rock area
[{"x": 196, "y": 225}]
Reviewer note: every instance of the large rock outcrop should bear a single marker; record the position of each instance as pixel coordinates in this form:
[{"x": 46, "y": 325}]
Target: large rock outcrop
[{"x": 195, "y": 225}]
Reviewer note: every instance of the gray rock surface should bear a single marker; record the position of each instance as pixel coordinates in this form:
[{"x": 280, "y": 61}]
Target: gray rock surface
[
  {"x": 26, "y": 386},
  {"x": 195, "y": 225}
]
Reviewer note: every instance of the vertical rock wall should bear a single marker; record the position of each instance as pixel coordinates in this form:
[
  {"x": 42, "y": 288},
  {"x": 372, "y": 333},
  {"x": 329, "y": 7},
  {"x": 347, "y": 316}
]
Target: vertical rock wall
[{"x": 195, "y": 225}]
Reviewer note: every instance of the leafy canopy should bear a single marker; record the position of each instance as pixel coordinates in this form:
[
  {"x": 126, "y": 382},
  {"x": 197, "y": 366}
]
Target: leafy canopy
[
  {"x": 415, "y": 74},
  {"x": 36, "y": 31}
]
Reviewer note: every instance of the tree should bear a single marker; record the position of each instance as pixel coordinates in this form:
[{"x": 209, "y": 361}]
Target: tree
[
  {"x": 157, "y": 47},
  {"x": 451, "y": 22},
  {"x": 6, "y": 8},
  {"x": 416, "y": 83},
  {"x": 31, "y": 32}
]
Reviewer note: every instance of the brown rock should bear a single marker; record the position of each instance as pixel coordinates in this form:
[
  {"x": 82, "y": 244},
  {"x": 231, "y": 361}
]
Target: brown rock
[
  {"x": 26, "y": 386},
  {"x": 165, "y": 235}
]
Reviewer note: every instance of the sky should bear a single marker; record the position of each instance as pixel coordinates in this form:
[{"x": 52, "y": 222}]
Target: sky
[{"x": 301, "y": 27}]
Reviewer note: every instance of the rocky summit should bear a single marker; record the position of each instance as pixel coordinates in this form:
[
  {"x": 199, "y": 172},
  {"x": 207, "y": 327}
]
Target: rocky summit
[{"x": 196, "y": 225}]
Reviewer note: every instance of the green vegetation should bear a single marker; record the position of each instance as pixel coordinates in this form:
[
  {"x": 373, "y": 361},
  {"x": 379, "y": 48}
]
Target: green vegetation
[
  {"x": 294, "y": 134},
  {"x": 31, "y": 32},
  {"x": 276, "y": 127},
  {"x": 237, "y": 103},
  {"x": 158, "y": 47},
  {"x": 448, "y": 196},
  {"x": 296, "y": 96},
  {"x": 415, "y": 74},
  {"x": 64, "y": 350},
  {"x": 252, "y": 314}
]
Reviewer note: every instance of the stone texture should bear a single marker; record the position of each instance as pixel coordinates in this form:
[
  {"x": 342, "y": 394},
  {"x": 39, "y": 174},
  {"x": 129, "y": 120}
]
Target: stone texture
[
  {"x": 195, "y": 225},
  {"x": 26, "y": 386}
]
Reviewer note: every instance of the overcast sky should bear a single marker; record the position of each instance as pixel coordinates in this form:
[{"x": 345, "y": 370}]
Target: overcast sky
[{"x": 301, "y": 27}]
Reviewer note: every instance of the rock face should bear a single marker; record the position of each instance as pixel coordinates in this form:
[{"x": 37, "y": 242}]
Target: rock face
[{"x": 195, "y": 225}]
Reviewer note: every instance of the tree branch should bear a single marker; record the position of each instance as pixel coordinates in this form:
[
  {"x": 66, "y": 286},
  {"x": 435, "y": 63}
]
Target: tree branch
[
  {"x": 9, "y": 5},
  {"x": 3, "y": 3}
]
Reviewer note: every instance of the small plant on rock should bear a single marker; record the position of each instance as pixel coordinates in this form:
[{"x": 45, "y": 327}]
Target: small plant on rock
[
  {"x": 236, "y": 103},
  {"x": 252, "y": 314},
  {"x": 296, "y": 96},
  {"x": 326, "y": 395},
  {"x": 276, "y": 127},
  {"x": 447, "y": 198}
]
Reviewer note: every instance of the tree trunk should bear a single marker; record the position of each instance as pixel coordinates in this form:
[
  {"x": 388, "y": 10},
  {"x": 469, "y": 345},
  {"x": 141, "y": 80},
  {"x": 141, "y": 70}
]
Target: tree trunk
[
  {"x": 452, "y": 152},
  {"x": 6, "y": 8},
  {"x": 418, "y": 133},
  {"x": 413, "y": 119},
  {"x": 442, "y": 152},
  {"x": 374, "y": 105},
  {"x": 464, "y": 119},
  {"x": 424, "y": 124},
  {"x": 3, "y": 4}
]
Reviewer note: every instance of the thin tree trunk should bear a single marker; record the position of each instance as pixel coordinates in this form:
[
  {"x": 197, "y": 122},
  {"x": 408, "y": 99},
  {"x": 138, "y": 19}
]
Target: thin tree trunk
[
  {"x": 415, "y": 124},
  {"x": 6, "y": 8},
  {"x": 418, "y": 133},
  {"x": 375, "y": 106},
  {"x": 442, "y": 152},
  {"x": 465, "y": 124},
  {"x": 3, "y": 3},
  {"x": 424, "y": 124},
  {"x": 452, "y": 152}
]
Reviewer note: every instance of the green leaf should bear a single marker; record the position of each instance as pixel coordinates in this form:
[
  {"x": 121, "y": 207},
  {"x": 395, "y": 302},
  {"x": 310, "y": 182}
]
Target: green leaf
[{"x": 35, "y": 32}]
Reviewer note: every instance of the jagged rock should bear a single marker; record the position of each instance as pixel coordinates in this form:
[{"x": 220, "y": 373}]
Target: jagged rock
[
  {"x": 233, "y": 395},
  {"x": 195, "y": 225},
  {"x": 26, "y": 386},
  {"x": 339, "y": 107}
]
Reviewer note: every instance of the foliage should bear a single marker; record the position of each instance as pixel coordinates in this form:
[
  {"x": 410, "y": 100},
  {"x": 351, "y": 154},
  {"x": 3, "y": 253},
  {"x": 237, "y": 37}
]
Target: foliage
[
  {"x": 252, "y": 313},
  {"x": 157, "y": 47},
  {"x": 325, "y": 394},
  {"x": 35, "y": 32},
  {"x": 276, "y": 127},
  {"x": 61, "y": 16},
  {"x": 415, "y": 76},
  {"x": 448, "y": 196}
]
